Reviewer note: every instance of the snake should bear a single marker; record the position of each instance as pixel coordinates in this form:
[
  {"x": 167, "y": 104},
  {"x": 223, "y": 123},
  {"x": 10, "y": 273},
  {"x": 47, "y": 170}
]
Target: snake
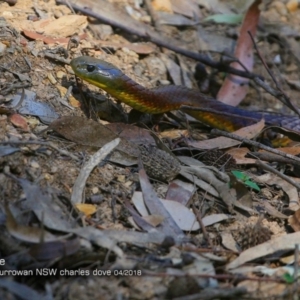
[{"x": 162, "y": 99}]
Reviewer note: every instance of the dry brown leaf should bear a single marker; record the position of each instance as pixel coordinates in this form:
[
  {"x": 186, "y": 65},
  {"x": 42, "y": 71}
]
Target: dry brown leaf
[
  {"x": 132, "y": 221},
  {"x": 265, "y": 290},
  {"x": 40, "y": 201},
  {"x": 272, "y": 211},
  {"x": 180, "y": 191},
  {"x": 290, "y": 150},
  {"x": 174, "y": 134},
  {"x": 208, "y": 188},
  {"x": 87, "y": 209},
  {"x": 63, "y": 91},
  {"x": 184, "y": 217},
  {"x": 239, "y": 156},
  {"x": 53, "y": 250},
  {"x": 138, "y": 221},
  {"x": 162, "y": 5},
  {"x": 154, "y": 220},
  {"x": 62, "y": 27},
  {"x": 223, "y": 142},
  {"x": 48, "y": 40},
  {"x": 235, "y": 88},
  {"x": 19, "y": 121},
  {"x": 154, "y": 205},
  {"x": 229, "y": 242},
  {"x": 283, "y": 243},
  {"x": 215, "y": 178},
  {"x": 187, "y": 8},
  {"x": 140, "y": 48},
  {"x": 214, "y": 218},
  {"x": 294, "y": 220},
  {"x": 99, "y": 237},
  {"x": 26, "y": 233},
  {"x": 131, "y": 133},
  {"x": 289, "y": 189},
  {"x": 292, "y": 5},
  {"x": 83, "y": 131}
]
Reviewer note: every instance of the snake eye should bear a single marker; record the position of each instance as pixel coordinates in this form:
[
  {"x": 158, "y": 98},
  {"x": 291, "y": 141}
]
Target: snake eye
[{"x": 90, "y": 68}]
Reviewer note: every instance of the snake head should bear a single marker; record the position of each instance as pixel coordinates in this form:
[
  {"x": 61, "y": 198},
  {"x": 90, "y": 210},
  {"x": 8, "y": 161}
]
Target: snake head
[{"x": 96, "y": 71}]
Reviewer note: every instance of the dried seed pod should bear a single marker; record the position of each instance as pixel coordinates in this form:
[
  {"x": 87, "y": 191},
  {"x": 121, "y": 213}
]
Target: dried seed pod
[
  {"x": 250, "y": 236},
  {"x": 158, "y": 163}
]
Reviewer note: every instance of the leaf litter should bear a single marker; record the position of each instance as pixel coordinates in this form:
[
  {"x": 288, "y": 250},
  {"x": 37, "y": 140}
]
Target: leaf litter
[{"x": 205, "y": 224}]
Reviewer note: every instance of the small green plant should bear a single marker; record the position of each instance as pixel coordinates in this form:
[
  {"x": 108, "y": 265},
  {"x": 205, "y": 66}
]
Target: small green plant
[
  {"x": 288, "y": 278},
  {"x": 246, "y": 180}
]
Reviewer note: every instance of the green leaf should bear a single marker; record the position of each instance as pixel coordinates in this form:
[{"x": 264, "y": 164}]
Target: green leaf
[
  {"x": 252, "y": 185},
  {"x": 288, "y": 278},
  {"x": 226, "y": 19},
  {"x": 240, "y": 175},
  {"x": 246, "y": 180}
]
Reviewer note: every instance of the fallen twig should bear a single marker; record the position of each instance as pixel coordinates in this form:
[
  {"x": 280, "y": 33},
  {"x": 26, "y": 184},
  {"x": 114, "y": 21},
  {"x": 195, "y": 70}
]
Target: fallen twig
[
  {"x": 279, "y": 94},
  {"x": 50, "y": 145},
  {"x": 279, "y": 174},
  {"x": 146, "y": 33},
  {"x": 199, "y": 219},
  {"x": 253, "y": 143}
]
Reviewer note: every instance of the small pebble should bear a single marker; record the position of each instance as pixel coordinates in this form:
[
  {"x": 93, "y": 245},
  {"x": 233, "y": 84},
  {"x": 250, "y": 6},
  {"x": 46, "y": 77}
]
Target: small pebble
[
  {"x": 121, "y": 178},
  {"x": 95, "y": 190},
  {"x": 14, "y": 136},
  {"x": 60, "y": 74},
  {"x": 48, "y": 177},
  {"x": 105, "y": 31},
  {"x": 51, "y": 78},
  {"x": 34, "y": 165},
  {"x": 128, "y": 183},
  {"x": 266, "y": 193},
  {"x": 33, "y": 136},
  {"x": 280, "y": 7},
  {"x": 53, "y": 170},
  {"x": 95, "y": 199},
  {"x": 48, "y": 152},
  {"x": 145, "y": 19},
  {"x": 164, "y": 82},
  {"x": 3, "y": 118},
  {"x": 277, "y": 59},
  {"x": 7, "y": 14}
]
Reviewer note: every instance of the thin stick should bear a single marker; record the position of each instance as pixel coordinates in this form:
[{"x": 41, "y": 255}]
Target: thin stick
[
  {"x": 50, "y": 145},
  {"x": 153, "y": 15},
  {"x": 270, "y": 157},
  {"x": 296, "y": 262},
  {"x": 199, "y": 219},
  {"x": 253, "y": 143},
  {"x": 160, "y": 41},
  {"x": 276, "y": 172},
  {"x": 282, "y": 95}
]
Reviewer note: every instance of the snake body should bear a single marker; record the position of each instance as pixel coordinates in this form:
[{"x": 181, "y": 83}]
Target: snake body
[{"x": 166, "y": 98}]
